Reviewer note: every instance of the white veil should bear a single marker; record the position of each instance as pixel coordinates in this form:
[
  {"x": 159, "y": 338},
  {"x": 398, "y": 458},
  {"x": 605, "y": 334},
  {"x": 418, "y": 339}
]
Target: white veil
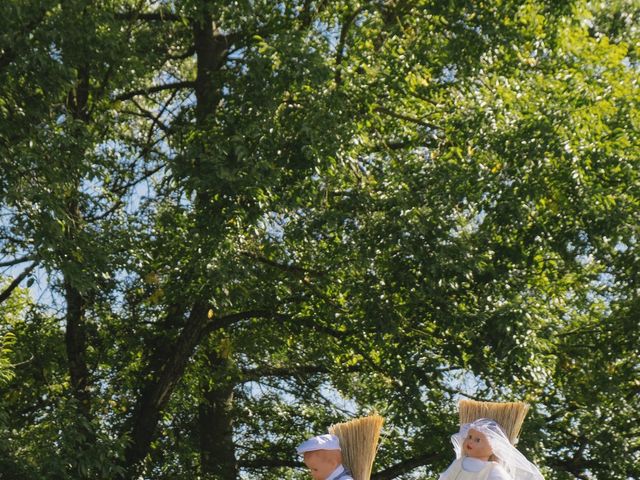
[{"x": 516, "y": 464}]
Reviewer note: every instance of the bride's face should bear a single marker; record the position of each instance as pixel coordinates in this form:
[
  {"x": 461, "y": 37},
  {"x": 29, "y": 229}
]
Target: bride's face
[{"x": 476, "y": 445}]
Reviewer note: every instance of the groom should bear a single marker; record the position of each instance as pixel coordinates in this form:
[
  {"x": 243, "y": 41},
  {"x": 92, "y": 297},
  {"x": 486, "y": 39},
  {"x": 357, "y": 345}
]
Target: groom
[{"x": 323, "y": 458}]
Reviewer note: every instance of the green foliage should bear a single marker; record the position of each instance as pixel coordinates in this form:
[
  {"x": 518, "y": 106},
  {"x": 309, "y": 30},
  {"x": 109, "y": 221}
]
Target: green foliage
[
  {"x": 6, "y": 372},
  {"x": 258, "y": 219}
]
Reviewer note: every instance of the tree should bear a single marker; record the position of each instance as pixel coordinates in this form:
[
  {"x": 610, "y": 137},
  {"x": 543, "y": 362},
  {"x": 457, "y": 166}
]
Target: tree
[{"x": 256, "y": 221}]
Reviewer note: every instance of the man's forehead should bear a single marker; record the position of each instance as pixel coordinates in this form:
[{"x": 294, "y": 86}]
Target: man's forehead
[{"x": 320, "y": 455}]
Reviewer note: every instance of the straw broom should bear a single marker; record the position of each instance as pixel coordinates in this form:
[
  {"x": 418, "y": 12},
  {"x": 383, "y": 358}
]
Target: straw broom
[
  {"x": 359, "y": 443},
  {"x": 509, "y": 415}
]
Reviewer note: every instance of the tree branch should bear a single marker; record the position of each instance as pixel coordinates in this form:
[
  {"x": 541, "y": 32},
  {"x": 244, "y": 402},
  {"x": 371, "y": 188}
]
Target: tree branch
[
  {"x": 157, "y": 16},
  {"x": 144, "y": 113},
  {"x": 121, "y": 191},
  {"x": 10, "y": 53},
  {"x": 269, "y": 463},
  {"x": 342, "y": 41},
  {"x": 16, "y": 261},
  {"x": 16, "y": 281},
  {"x": 250, "y": 375},
  {"x": 408, "y": 118},
  {"x": 167, "y": 373},
  {"x": 404, "y": 467},
  {"x": 298, "y": 271},
  {"x": 155, "y": 89},
  {"x": 189, "y": 52}
]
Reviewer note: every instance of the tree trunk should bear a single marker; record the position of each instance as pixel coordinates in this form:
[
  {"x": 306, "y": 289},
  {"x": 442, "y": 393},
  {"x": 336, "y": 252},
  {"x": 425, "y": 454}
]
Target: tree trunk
[
  {"x": 211, "y": 51},
  {"x": 76, "y": 345},
  {"x": 217, "y": 450},
  {"x": 157, "y": 393}
]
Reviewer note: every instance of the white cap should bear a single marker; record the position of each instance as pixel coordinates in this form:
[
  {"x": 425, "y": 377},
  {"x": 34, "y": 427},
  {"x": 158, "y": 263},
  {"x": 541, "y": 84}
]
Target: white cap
[{"x": 321, "y": 442}]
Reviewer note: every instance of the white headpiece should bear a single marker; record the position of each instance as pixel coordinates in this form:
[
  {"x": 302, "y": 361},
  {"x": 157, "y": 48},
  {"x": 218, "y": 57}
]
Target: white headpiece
[
  {"x": 516, "y": 464},
  {"x": 321, "y": 442}
]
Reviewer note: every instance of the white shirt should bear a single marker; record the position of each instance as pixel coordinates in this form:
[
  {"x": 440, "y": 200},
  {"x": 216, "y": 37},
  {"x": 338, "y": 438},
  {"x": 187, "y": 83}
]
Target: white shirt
[
  {"x": 470, "y": 464},
  {"x": 336, "y": 473}
]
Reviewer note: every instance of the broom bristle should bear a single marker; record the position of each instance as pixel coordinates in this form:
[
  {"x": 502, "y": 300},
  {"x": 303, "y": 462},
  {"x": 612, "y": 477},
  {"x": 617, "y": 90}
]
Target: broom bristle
[
  {"x": 359, "y": 444},
  {"x": 509, "y": 415}
]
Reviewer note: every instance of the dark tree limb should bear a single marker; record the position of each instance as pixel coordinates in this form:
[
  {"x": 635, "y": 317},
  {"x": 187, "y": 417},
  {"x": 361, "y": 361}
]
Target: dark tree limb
[
  {"x": 78, "y": 97},
  {"x": 16, "y": 281},
  {"x": 144, "y": 113},
  {"x": 157, "y": 88},
  {"x": 293, "y": 269},
  {"x": 344, "y": 31},
  {"x": 76, "y": 345},
  {"x": 189, "y": 52},
  {"x": 250, "y": 375},
  {"x": 390, "y": 473},
  {"x": 215, "y": 415},
  {"x": 404, "y": 466},
  {"x": 408, "y": 118},
  {"x": 120, "y": 191},
  {"x": 157, "y": 16},
  {"x": 260, "y": 463},
  {"x": 167, "y": 374},
  {"x": 16, "y": 261},
  {"x": 306, "y": 15},
  {"x": 211, "y": 51},
  {"x": 9, "y": 54}
]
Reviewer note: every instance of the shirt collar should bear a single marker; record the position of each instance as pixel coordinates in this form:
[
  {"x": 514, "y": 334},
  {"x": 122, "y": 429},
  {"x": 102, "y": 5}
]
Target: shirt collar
[{"x": 336, "y": 473}]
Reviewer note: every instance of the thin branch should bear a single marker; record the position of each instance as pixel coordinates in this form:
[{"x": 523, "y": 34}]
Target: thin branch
[
  {"x": 395, "y": 145},
  {"x": 189, "y": 52},
  {"x": 305, "y": 14},
  {"x": 24, "y": 362},
  {"x": 454, "y": 391},
  {"x": 149, "y": 145},
  {"x": 404, "y": 466},
  {"x": 268, "y": 463},
  {"x": 408, "y": 118},
  {"x": 157, "y": 16},
  {"x": 120, "y": 188},
  {"x": 217, "y": 323},
  {"x": 7, "y": 293},
  {"x": 143, "y": 112},
  {"x": 16, "y": 261},
  {"x": 5, "y": 236},
  {"x": 145, "y": 176},
  {"x": 250, "y": 375},
  {"x": 341, "y": 43},
  {"x": 423, "y": 98},
  {"x": 298, "y": 271},
  {"x": 155, "y": 89}
]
